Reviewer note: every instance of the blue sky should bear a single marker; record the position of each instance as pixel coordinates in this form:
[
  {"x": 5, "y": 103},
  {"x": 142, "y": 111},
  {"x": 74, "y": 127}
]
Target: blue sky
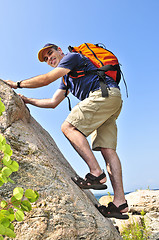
[{"x": 130, "y": 30}]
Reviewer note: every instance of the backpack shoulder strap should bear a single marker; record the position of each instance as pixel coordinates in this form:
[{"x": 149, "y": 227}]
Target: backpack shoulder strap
[{"x": 67, "y": 88}]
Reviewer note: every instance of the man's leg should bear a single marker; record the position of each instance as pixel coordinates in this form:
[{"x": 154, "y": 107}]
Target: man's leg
[
  {"x": 115, "y": 173},
  {"x": 81, "y": 145}
]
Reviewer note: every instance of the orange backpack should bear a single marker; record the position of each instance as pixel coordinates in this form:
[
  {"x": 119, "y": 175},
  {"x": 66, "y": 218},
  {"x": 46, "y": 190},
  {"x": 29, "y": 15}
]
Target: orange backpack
[
  {"x": 105, "y": 61},
  {"x": 102, "y": 58}
]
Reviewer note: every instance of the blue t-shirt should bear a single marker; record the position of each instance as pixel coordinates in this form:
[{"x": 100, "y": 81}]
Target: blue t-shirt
[{"x": 80, "y": 87}]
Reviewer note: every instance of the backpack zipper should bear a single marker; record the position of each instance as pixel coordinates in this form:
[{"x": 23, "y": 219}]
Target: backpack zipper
[{"x": 94, "y": 54}]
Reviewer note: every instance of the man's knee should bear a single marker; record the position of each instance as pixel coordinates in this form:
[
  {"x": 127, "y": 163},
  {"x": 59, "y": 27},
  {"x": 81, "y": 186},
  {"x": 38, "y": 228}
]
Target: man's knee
[{"x": 65, "y": 127}]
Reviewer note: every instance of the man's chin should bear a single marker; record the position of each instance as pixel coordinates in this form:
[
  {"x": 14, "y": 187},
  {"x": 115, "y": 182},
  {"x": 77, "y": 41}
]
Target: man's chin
[{"x": 53, "y": 65}]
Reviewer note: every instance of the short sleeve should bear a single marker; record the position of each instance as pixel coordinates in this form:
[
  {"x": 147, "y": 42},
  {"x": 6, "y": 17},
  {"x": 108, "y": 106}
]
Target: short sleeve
[
  {"x": 69, "y": 61},
  {"x": 62, "y": 85}
]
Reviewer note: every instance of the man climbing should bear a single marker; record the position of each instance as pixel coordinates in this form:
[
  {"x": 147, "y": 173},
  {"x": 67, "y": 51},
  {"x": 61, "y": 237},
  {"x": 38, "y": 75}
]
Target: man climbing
[{"x": 94, "y": 114}]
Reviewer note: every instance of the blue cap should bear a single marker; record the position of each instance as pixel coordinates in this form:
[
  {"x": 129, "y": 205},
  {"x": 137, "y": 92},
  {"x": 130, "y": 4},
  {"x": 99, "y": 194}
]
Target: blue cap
[{"x": 40, "y": 53}]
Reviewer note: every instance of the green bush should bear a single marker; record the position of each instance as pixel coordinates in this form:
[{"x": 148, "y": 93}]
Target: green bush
[
  {"x": 135, "y": 230},
  {"x": 20, "y": 202}
]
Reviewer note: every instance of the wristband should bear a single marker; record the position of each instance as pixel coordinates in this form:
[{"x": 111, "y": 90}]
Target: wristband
[{"x": 18, "y": 85}]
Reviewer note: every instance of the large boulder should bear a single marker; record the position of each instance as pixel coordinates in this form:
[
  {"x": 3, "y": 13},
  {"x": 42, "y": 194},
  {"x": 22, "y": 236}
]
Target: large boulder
[
  {"x": 143, "y": 204},
  {"x": 63, "y": 211},
  {"x": 146, "y": 201}
]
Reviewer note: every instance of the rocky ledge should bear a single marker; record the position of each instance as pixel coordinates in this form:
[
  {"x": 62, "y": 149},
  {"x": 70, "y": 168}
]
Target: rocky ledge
[{"x": 143, "y": 204}]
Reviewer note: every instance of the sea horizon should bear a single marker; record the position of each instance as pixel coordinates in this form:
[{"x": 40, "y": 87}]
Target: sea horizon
[{"x": 98, "y": 195}]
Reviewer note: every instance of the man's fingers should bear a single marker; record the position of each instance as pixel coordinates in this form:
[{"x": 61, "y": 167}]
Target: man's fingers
[
  {"x": 25, "y": 99},
  {"x": 11, "y": 83}
]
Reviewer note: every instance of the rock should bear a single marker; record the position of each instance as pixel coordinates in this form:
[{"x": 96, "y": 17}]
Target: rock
[
  {"x": 147, "y": 201},
  {"x": 104, "y": 200},
  {"x": 63, "y": 211},
  {"x": 141, "y": 201}
]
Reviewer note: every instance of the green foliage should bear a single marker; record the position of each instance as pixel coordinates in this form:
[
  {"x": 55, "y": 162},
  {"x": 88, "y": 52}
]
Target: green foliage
[
  {"x": 31, "y": 195},
  {"x": 18, "y": 193},
  {"x": 136, "y": 231},
  {"x": 143, "y": 213},
  {"x": 109, "y": 194},
  {"x": 7, "y": 166},
  {"x": 2, "y": 107},
  {"x": 20, "y": 202}
]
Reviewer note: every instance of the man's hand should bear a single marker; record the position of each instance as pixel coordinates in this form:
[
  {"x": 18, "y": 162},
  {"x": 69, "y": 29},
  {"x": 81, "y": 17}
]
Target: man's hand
[
  {"x": 40, "y": 80},
  {"x": 11, "y": 83},
  {"x": 53, "y": 102},
  {"x": 25, "y": 99}
]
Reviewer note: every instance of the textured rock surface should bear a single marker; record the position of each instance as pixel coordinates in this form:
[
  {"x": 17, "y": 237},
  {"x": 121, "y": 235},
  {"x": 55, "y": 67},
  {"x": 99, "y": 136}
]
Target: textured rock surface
[
  {"x": 141, "y": 200},
  {"x": 63, "y": 211}
]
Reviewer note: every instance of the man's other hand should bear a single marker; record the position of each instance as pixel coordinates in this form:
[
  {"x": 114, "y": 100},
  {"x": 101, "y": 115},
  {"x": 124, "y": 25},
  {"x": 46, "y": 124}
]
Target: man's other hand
[
  {"x": 25, "y": 99},
  {"x": 11, "y": 83}
]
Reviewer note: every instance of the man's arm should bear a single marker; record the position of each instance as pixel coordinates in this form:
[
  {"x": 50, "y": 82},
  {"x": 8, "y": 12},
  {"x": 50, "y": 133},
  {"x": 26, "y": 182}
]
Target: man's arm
[
  {"x": 41, "y": 80},
  {"x": 53, "y": 102}
]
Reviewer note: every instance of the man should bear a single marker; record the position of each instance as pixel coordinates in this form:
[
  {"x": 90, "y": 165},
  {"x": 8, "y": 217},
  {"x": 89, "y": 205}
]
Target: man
[{"x": 94, "y": 114}]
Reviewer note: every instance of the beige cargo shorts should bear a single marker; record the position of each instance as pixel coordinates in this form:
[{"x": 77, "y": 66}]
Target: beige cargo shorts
[{"x": 96, "y": 115}]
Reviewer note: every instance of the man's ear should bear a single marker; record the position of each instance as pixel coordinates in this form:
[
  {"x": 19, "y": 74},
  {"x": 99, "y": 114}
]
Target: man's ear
[{"x": 60, "y": 50}]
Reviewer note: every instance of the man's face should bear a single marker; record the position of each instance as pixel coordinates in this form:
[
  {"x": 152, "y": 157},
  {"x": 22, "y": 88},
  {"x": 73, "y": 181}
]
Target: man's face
[{"x": 52, "y": 57}]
